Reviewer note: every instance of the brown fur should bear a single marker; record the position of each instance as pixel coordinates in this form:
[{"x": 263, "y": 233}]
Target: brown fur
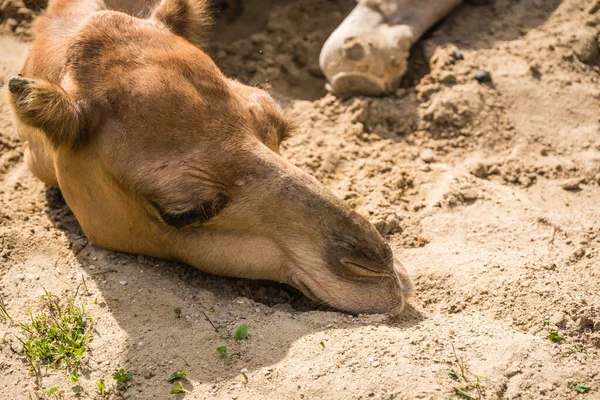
[{"x": 157, "y": 153}]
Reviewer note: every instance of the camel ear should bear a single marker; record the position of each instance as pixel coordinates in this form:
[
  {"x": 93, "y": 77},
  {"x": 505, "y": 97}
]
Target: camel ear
[
  {"x": 186, "y": 18},
  {"x": 45, "y": 106}
]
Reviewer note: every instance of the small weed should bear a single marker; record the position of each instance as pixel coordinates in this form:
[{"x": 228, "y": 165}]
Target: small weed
[
  {"x": 54, "y": 392},
  {"x": 453, "y": 375},
  {"x": 177, "y": 312},
  {"x": 463, "y": 394},
  {"x": 577, "y": 349},
  {"x": 472, "y": 381},
  {"x": 122, "y": 378},
  {"x": 74, "y": 376},
  {"x": 177, "y": 375},
  {"x": 582, "y": 387},
  {"x": 554, "y": 336},
  {"x": 242, "y": 332},
  {"x": 4, "y": 315},
  {"x": 244, "y": 376},
  {"x": 51, "y": 390},
  {"x": 222, "y": 350},
  {"x": 102, "y": 387},
  {"x": 58, "y": 337},
  {"x": 546, "y": 324},
  {"x": 322, "y": 345},
  {"x": 177, "y": 388}
]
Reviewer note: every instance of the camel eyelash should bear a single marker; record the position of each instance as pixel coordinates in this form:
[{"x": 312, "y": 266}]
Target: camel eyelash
[{"x": 203, "y": 213}]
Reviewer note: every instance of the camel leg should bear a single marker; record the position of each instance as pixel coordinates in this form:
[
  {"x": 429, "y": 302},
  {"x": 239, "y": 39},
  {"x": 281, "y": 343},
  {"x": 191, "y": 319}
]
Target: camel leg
[{"x": 367, "y": 54}]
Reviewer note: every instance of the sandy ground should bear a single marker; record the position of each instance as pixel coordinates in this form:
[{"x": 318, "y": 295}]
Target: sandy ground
[{"x": 487, "y": 192}]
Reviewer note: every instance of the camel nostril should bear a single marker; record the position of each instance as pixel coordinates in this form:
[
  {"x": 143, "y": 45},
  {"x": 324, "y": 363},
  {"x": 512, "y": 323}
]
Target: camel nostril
[{"x": 353, "y": 49}]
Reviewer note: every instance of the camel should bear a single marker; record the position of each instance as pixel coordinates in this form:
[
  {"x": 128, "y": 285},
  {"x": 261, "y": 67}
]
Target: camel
[{"x": 156, "y": 152}]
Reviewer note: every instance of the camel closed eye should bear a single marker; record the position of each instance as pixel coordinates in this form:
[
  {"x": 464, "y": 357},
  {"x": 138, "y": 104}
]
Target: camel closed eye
[{"x": 202, "y": 213}]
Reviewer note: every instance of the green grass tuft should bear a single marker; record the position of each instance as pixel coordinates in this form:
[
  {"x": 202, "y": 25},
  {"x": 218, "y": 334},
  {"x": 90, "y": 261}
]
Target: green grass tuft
[{"x": 57, "y": 337}]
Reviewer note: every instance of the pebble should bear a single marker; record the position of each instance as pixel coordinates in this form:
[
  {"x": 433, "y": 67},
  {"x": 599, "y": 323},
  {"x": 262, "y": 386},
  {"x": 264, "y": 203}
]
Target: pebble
[
  {"x": 123, "y": 283},
  {"x": 392, "y": 224},
  {"x": 483, "y": 76},
  {"x": 571, "y": 185},
  {"x": 586, "y": 46},
  {"x": 457, "y": 54},
  {"x": 427, "y": 156},
  {"x": 479, "y": 170}
]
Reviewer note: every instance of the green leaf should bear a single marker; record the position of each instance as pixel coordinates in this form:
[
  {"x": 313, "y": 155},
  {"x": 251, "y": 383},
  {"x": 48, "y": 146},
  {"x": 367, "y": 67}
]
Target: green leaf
[
  {"x": 222, "y": 350},
  {"x": 322, "y": 345},
  {"x": 242, "y": 332},
  {"x": 463, "y": 394},
  {"x": 554, "y": 336},
  {"x": 121, "y": 377},
  {"x": 74, "y": 376},
  {"x": 582, "y": 387},
  {"x": 177, "y": 312},
  {"x": 178, "y": 388},
  {"x": 51, "y": 390},
  {"x": 179, "y": 374},
  {"x": 101, "y": 386},
  {"x": 453, "y": 375}
]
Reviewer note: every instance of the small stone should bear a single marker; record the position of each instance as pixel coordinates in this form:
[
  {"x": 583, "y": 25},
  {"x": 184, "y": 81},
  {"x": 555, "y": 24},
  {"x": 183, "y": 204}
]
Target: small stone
[
  {"x": 457, "y": 54},
  {"x": 524, "y": 181},
  {"x": 141, "y": 259},
  {"x": 392, "y": 224},
  {"x": 483, "y": 76},
  {"x": 427, "y": 156},
  {"x": 149, "y": 374},
  {"x": 123, "y": 283},
  {"x": 375, "y": 364},
  {"x": 479, "y": 170},
  {"x": 572, "y": 185},
  {"x": 558, "y": 319},
  {"x": 586, "y": 46}
]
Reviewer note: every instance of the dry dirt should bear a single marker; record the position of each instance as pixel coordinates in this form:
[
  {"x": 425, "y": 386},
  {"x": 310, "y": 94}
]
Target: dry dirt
[{"x": 488, "y": 192}]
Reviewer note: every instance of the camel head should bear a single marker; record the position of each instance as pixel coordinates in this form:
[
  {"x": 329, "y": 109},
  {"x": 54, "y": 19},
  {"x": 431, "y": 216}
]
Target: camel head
[{"x": 157, "y": 153}]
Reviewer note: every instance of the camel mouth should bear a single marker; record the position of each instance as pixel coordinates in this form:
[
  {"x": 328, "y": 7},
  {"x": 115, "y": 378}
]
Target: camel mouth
[
  {"x": 379, "y": 293},
  {"x": 363, "y": 269}
]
